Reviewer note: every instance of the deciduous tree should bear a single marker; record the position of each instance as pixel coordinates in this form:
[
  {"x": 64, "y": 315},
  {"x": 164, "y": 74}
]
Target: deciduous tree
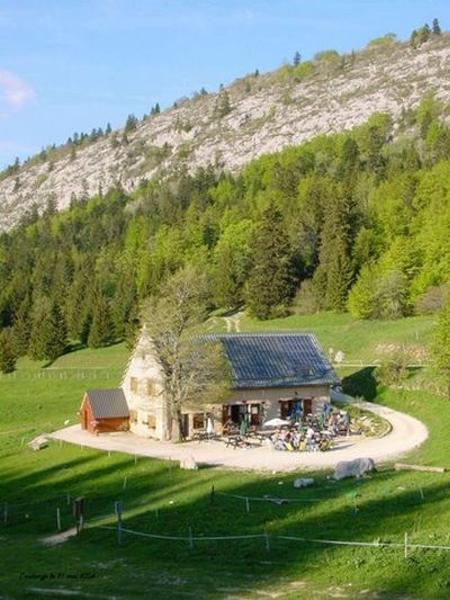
[
  {"x": 193, "y": 370},
  {"x": 441, "y": 344}
]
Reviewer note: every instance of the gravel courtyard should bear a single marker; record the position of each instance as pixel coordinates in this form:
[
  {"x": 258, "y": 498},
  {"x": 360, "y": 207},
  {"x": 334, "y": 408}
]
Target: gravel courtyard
[{"x": 407, "y": 433}]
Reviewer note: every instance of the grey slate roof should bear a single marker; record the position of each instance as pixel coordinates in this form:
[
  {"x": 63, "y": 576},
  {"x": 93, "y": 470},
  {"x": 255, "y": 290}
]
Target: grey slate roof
[
  {"x": 107, "y": 404},
  {"x": 270, "y": 360}
]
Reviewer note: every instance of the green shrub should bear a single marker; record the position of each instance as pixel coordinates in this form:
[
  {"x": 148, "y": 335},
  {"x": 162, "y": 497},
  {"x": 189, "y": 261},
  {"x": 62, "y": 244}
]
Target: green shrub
[
  {"x": 394, "y": 369},
  {"x": 386, "y": 40}
]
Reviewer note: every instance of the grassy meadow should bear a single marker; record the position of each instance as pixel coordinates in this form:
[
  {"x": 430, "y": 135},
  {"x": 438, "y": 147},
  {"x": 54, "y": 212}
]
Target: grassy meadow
[{"x": 159, "y": 498}]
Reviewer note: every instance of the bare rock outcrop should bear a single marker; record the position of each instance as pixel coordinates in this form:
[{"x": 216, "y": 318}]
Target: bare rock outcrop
[{"x": 267, "y": 113}]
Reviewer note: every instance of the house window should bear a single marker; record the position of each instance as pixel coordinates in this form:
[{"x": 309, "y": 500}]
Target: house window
[
  {"x": 151, "y": 387},
  {"x": 133, "y": 416},
  {"x": 198, "y": 421},
  {"x": 151, "y": 421},
  {"x": 134, "y": 384}
]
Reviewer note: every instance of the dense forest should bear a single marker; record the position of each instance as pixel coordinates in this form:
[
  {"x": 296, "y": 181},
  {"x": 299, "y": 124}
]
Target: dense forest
[{"x": 356, "y": 221}]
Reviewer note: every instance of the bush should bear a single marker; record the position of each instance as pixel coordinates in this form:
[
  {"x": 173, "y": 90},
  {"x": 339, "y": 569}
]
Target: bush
[
  {"x": 394, "y": 369},
  {"x": 433, "y": 300},
  {"x": 302, "y": 70},
  {"x": 326, "y": 55},
  {"x": 386, "y": 40},
  {"x": 378, "y": 295}
]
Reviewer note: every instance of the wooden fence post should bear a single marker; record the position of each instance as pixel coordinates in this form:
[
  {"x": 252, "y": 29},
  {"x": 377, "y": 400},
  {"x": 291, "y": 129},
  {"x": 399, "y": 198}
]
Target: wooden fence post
[
  {"x": 118, "y": 508},
  {"x": 212, "y": 494},
  {"x": 247, "y": 505},
  {"x": 267, "y": 540},
  {"x": 58, "y": 519},
  {"x": 406, "y": 545}
]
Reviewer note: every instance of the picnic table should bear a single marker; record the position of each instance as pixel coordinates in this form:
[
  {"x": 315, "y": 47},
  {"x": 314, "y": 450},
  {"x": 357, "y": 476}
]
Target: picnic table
[
  {"x": 202, "y": 435},
  {"x": 236, "y": 441}
]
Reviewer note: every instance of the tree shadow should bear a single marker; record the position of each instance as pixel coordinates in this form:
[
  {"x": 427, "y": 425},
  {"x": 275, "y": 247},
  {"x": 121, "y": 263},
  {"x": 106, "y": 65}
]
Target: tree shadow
[
  {"x": 159, "y": 498},
  {"x": 361, "y": 384}
]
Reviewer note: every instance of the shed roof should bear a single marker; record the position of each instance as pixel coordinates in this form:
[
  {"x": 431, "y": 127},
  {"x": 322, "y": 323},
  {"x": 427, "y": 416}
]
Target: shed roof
[
  {"x": 107, "y": 404},
  {"x": 269, "y": 360}
]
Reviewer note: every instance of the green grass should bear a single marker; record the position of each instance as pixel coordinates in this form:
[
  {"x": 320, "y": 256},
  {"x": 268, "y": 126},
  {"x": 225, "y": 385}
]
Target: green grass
[
  {"x": 365, "y": 341},
  {"x": 161, "y": 498}
]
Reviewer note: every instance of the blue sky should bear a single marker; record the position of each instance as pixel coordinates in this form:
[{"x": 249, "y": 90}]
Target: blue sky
[{"x": 71, "y": 65}]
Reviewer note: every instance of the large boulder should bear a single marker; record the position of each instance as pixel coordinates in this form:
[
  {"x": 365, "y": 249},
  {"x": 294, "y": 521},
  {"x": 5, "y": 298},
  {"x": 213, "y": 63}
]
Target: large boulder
[
  {"x": 353, "y": 468},
  {"x": 39, "y": 442},
  {"x": 188, "y": 464}
]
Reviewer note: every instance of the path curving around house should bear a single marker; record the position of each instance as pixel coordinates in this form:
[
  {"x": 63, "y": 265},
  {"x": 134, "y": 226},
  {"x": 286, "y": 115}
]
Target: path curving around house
[{"x": 406, "y": 434}]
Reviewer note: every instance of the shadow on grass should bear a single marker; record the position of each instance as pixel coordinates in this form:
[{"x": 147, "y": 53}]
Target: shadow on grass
[
  {"x": 361, "y": 384},
  {"x": 160, "y": 498}
]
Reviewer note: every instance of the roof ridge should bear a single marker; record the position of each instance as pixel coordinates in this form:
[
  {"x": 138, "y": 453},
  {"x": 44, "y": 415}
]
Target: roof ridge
[{"x": 260, "y": 333}]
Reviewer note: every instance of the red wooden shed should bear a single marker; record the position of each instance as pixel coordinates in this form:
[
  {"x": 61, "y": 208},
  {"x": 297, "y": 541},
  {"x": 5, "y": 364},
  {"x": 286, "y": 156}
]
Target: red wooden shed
[{"x": 103, "y": 411}]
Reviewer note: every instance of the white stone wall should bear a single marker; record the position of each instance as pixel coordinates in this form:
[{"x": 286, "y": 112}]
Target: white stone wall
[{"x": 143, "y": 388}]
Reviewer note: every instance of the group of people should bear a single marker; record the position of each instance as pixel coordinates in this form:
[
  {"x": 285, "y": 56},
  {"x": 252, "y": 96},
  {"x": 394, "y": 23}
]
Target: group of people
[
  {"x": 312, "y": 433},
  {"x": 301, "y": 440}
]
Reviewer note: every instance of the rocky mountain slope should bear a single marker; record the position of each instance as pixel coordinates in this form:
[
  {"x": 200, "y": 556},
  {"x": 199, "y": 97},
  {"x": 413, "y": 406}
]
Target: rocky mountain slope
[{"x": 255, "y": 115}]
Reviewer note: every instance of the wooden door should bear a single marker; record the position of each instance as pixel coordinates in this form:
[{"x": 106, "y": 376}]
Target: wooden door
[{"x": 307, "y": 406}]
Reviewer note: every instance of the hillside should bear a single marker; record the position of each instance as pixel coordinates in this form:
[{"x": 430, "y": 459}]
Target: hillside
[
  {"x": 255, "y": 115},
  {"x": 159, "y": 498}
]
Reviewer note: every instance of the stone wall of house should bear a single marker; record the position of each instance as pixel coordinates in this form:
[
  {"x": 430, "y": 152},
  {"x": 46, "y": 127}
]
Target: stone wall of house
[
  {"x": 271, "y": 397},
  {"x": 143, "y": 388},
  {"x": 144, "y": 391}
]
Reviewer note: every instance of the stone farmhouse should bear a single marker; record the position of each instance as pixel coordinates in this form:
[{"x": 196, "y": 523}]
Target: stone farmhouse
[{"x": 272, "y": 375}]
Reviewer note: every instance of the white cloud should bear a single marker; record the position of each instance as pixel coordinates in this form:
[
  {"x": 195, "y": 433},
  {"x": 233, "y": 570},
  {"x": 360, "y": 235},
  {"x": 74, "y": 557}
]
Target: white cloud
[{"x": 15, "y": 91}]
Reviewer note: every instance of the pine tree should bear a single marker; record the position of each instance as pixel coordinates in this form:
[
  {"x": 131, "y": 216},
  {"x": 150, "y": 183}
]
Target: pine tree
[
  {"x": 123, "y": 301},
  {"x": 22, "y": 326},
  {"x": 334, "y": 274},
  {"x": 8, "y": 355},
  {"x": 102, "y": 328},
  {"x": 297, "y": 59},
  {"x": 441, "y": 344},
  {"x": 108, "y": 129},
  {"x": 130, "y": 124},
  {"x": 132, "y": 327},
  {"x": 271, "y": 282},
  {"x": 223, "y": 105},
  {"x": 419, "y": 37},
  {"x": 48, "y": 338},
  {"x": 436, "y": 28}
]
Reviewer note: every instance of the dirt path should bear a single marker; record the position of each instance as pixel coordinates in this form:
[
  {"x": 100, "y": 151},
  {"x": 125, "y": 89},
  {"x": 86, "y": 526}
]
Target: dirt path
[
  {"x": 59, "y": 538},
  {"x": 407, "y": 433},
  {"x": 233, "y": 322}
]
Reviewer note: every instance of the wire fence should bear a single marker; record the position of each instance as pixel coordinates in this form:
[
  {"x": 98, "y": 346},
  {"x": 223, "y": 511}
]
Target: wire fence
[
  {"x": 268, "y": 538},
  {"x": 57, "y": 514},
  {"x": 65, "y": 373}
]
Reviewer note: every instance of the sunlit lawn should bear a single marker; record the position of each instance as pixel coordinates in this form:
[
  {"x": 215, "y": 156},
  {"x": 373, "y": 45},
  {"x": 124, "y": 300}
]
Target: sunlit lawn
[{"x": 160, "y": 498}]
